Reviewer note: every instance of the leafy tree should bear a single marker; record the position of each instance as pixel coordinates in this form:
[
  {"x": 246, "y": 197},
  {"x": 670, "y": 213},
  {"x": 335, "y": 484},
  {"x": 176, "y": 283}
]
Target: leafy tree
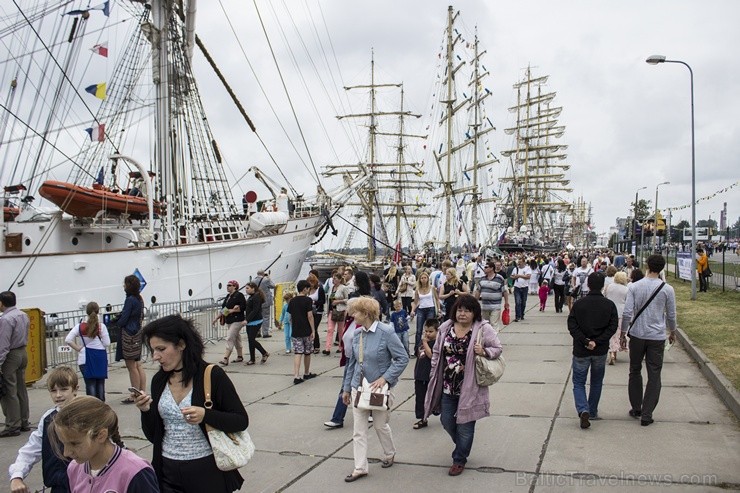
[
  {"x": 643, "y": 209},
  {"x": 677, "y": 231}
]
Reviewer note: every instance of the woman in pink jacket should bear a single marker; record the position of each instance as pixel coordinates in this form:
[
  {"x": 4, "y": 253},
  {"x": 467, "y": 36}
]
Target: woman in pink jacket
[{"x": 453, "y": 390}]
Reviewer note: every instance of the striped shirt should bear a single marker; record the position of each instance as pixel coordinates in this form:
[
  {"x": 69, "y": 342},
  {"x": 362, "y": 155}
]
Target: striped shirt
[{"x": 491, "y": 292}]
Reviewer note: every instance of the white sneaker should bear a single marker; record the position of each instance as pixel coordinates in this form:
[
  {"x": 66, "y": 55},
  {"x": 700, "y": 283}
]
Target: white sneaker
[
  {"x": 370, "y": 419},
  {"x": 332, "y": 424}
]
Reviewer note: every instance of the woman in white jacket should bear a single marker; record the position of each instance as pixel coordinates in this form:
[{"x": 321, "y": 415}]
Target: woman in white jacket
[{"x": 93, "y": 335}]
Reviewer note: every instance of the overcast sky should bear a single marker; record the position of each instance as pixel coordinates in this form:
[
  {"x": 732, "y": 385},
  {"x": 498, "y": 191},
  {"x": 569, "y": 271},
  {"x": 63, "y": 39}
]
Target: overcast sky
[{"x": 627, "y": 123}]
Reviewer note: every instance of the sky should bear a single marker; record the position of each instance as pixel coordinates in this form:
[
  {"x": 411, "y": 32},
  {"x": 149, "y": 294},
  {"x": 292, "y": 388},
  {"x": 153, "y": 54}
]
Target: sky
[{"x": 628, "y": 124}]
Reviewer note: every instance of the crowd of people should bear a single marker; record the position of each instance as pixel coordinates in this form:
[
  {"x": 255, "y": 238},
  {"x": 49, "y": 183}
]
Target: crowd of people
[{"x": 458, "y": 308}]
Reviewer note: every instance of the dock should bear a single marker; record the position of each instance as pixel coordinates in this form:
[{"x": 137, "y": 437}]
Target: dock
[{"x": 532, "y": 441}]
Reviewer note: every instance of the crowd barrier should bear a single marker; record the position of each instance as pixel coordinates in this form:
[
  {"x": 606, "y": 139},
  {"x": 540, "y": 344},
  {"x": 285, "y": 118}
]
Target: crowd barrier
[{"x": 58, "y": 325}]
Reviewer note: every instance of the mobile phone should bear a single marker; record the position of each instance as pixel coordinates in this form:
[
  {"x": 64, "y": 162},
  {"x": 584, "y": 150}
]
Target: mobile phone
[{"x": 135, "y": 391}]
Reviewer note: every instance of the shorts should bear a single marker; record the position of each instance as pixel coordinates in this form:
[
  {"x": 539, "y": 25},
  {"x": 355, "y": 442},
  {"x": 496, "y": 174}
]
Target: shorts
[{"x": 302, "y": 345}]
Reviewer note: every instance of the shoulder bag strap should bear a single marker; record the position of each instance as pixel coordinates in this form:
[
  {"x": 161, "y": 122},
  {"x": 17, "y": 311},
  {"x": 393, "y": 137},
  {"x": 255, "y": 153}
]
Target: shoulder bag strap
[
  {"x": 652, "y": 297},
  {"x": 208, "y": 404}
]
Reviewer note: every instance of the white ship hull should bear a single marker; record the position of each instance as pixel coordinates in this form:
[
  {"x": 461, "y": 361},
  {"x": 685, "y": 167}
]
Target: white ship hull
[{"x": 54, "y": 281}]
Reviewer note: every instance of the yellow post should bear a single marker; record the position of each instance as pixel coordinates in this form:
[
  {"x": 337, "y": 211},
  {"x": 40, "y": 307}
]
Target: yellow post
[{"x": 36, "y": 347}]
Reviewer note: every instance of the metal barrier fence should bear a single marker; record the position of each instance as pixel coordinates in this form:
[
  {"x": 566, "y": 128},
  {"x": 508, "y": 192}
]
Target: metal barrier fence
[{"x": 58, "y": 325}]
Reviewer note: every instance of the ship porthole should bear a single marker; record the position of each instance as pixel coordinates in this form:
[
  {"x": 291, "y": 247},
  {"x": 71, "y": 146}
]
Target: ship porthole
[
  {"x": 154, "y": 299},
  {"x": 75, "y": 240},
  {"x": 27, "y": 241},
  {"x": 220, "y": 286},
  {"x": 287, "y": 266},
  {"x": 190, "y": 292},
  {"x": 108, "y": 239}
]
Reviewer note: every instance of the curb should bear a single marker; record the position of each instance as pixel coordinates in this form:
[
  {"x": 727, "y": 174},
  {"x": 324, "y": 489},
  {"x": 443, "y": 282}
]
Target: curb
[{"x": 724, "y": 387}]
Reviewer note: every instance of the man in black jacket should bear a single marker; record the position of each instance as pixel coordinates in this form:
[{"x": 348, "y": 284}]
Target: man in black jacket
[{"x": 591, "y": 323}]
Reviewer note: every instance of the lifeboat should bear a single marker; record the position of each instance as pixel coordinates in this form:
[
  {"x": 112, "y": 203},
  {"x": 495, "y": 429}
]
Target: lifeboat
[
  {"x": 88, "y": 202},
  {"x": 9, "y": 213}
]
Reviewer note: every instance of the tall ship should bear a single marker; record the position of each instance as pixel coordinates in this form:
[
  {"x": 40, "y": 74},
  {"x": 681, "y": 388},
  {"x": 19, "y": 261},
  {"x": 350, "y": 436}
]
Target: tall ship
[
  {"x": 462, "y": 163},
  {"x": 110, "y": 168},
  {"x": 389, "y": 206},
  {"x": 535, "y": 212}
]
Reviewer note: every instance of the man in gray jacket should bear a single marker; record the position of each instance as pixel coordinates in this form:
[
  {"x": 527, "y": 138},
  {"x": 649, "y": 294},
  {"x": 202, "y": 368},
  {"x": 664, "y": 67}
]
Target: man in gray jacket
[
  {"x": 265, "y": 284},
  {"x": 647, "y": 336}
]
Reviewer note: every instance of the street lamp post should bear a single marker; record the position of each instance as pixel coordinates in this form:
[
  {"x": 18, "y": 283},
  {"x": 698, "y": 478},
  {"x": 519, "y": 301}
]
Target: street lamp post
[
  {"x": 655, "y": 231},
  {"x": 642, "y": 231},
  {"x": 654, "y": 60}
]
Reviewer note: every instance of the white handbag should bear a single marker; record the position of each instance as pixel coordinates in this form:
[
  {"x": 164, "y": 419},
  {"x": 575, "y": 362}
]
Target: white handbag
[
  {"x": 231, "y": 450},
  {"x": 366, "y": 398},
  {"x": 488, "y": 371}
]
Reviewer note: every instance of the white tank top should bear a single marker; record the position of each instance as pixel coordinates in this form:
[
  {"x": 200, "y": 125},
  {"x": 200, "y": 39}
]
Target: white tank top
[{"x": 426, "y": 300}]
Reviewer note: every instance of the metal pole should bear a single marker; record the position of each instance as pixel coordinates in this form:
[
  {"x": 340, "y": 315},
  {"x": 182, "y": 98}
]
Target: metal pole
[{"x": 654, "y": 60}]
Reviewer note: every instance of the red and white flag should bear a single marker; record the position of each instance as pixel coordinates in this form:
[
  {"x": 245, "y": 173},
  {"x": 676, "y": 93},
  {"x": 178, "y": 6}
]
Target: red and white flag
[
  {"x": 96, "y": 132},
  {"x": 397, "y": 253},
  {"x": 101, "y": 49}
]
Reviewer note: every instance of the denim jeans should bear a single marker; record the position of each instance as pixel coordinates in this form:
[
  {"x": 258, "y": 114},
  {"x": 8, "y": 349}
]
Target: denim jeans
[
  {"x": 462, "y": 434},
  {"x": 94, "y": 386},
  {"x": 404, "y": 338},
  {"x": 340, "y": 409},
  {"x": 422, "y": 315},
  {"x": 581, "y": 366},
  {"x": 520, "y": 298}
]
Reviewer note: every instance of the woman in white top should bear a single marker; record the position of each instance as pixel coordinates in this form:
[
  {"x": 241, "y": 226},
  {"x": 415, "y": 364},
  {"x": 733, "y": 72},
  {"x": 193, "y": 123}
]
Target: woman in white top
[
  {"x": 406, "y": 288},
  {"x": 534, "y": 280},
  {"x": 94, "y": 335},
  {"x": 617, "y": 292},
  {"x": 425, "y": 306}
]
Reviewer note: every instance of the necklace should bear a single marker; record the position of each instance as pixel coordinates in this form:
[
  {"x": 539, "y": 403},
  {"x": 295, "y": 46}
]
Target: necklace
[{"x": 178, "y": 371}]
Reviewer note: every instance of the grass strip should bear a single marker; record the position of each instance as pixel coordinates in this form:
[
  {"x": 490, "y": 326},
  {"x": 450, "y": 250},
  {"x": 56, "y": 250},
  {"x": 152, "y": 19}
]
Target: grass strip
[{"x": 712, "y": 324}]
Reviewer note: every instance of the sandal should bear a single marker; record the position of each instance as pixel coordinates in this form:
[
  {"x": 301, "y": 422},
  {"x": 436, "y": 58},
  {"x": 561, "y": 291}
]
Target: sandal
[
  {"x": 249, "y": 363},
  {"x": 238, "y": 359},
  {"x": 264, "y": 357},
  {"x": 420, "y": 424},
  {"x": 224, "y": 362}
]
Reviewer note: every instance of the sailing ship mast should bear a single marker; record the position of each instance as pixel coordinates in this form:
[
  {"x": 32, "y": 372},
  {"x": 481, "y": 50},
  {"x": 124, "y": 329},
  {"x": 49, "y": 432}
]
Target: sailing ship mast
[
  {"x": 385, "y": 192},
  {"x": 538, "y": 172},
  {"x": 452, "y": 167}
]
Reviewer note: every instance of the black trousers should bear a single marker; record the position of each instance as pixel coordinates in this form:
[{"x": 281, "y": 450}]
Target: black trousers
[
  {"x": 559, "y": 290},
  {"x": 652, "y": 352},
  {"x": 420, "y": 391},
  {"x": 252, "y": 331},
  {"x": 196, "y": 476},
  {"x": 316, "y": 322}
]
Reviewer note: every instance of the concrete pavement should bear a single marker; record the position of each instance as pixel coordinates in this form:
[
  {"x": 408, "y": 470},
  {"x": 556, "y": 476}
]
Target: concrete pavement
[{"x": 531, "y": 443}]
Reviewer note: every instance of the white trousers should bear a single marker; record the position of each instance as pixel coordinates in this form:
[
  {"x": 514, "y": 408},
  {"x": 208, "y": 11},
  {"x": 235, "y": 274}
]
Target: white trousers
[
  {"x": 494, "y": 317},
  {"x": 381, "y": 423}
]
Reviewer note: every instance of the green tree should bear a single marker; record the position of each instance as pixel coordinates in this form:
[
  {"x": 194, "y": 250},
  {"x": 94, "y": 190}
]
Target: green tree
[
  {"x": 643, "y": 209},
  {"x": 677, "y": 231}
]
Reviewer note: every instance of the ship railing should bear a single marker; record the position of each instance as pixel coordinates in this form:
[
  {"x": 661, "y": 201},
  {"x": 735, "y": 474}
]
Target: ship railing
[{"x": 59, "y": 324}]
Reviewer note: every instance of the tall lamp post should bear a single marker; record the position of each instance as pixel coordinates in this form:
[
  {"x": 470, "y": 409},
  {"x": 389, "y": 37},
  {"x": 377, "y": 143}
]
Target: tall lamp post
[
  {"x": 654, "y": 60},
  {"x": 655, "y": 232},
  {"x": 642, "y": 231}
]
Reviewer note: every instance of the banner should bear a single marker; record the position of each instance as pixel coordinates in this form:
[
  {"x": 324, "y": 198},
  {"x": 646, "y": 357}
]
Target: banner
[{"x": 684, "y": 265}]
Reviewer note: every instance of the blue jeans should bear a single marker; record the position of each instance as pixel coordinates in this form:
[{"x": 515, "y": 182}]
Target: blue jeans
[
  {"x": 580, "y": 372},
  {"x": 462, "y": 434},
  {"x": 340, "y": 409},
  {"x": 404, "y": 338},
  {"x": 94, "y": 386},
  {"x": 422, "y": 315},
  {"x": 520, "y": 298}
]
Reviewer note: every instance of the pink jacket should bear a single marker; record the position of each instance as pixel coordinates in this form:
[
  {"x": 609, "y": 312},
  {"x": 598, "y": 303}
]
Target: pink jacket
[{"x": 474, "y": 403}]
